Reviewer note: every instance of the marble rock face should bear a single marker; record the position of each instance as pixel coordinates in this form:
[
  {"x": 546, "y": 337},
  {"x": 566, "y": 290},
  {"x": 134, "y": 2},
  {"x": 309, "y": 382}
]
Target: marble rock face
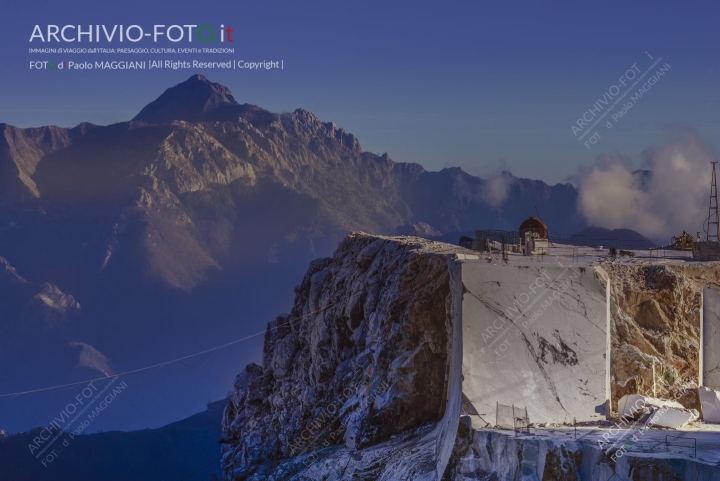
[
  {"x": 355, "y": 380},
  {"x": 534, "y": 337},
  {"x": 392, "y": 339},
  {"x": 710, "y": 403}
]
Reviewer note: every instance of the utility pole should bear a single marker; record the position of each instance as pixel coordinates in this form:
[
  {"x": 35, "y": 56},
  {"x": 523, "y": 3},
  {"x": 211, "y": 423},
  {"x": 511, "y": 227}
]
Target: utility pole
[{"x": 713, "y": 220}]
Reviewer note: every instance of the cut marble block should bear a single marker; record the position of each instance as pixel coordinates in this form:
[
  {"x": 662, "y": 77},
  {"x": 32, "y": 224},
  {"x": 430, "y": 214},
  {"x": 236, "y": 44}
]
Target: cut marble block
[
  {"x": 534, "y": 337},
  {"x": 710, "y": 404}
]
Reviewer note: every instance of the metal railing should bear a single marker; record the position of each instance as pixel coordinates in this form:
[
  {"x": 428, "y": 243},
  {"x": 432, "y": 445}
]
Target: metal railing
[
  {"x": 572, "y": 239},
  {"x": 485, "y": 239},
  {"x": 575, "y": 427},
  {"x": 613, "y": 475},
  {"x": 641, "y": 244},
  {"x": 602, "y": 242},
  {"x": 521, "y": 423},
  {"x": 506, "y": 243},
  {"x": 668, "y": 443}
]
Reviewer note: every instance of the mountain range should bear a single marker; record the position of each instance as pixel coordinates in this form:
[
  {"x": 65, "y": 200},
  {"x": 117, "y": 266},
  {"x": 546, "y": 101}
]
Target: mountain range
[{"x": 186, "y": 226}]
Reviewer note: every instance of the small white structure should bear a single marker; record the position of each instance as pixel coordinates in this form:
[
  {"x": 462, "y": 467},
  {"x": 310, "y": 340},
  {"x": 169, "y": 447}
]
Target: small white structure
[
  {"x": 529, "y": 243},
  {"x": 541, "y": 246}
]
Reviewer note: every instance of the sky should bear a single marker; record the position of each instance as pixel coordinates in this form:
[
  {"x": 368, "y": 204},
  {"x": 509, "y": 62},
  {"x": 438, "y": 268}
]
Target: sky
[{"x": 470, "y": 84}]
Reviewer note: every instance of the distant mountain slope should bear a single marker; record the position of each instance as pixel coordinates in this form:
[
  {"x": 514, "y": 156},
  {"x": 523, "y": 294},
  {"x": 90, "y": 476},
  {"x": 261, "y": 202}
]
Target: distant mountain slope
[
  {"x": 168, "y": 453},
  {"x": 39, "y": 328},
  {"x": 625, "y": 238},
  {"x": 183, "y": 180},
  {"x": 187, "y": 226},
  {"x": 453, "y": 200}
]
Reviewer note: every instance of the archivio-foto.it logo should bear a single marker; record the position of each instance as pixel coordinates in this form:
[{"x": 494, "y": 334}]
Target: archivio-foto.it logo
[{"x": 133, "y": 33}]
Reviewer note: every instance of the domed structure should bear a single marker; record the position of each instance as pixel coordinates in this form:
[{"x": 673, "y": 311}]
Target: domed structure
[{"x": 536, "y": 226}]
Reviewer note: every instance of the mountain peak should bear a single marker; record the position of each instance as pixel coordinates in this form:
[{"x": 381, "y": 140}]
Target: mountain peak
[
  {"x": 198, "y": 78},
  {"x": 193, "y": 100}
]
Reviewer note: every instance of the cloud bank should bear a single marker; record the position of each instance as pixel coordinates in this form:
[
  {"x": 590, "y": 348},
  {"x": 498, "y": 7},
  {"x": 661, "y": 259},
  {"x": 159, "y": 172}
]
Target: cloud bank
[
  {"x": 497, "y": 186},
  {"x": 672, "y": 198}
]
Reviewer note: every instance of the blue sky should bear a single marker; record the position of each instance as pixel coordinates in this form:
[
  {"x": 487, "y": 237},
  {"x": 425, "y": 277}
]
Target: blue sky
[{"x": 440, "y": 83}]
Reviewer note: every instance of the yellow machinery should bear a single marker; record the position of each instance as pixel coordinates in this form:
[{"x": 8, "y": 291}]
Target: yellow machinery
[{"x": 684, "y": 242}]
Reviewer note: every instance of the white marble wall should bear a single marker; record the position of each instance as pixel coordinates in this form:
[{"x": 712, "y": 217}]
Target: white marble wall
[
  {"x": 534, "y": 336},
  {"x": 711, "y": 339}
]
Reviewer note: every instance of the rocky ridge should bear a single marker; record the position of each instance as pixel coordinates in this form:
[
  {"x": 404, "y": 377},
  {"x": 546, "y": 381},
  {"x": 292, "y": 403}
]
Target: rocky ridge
[
  {"x": 182, "y": 181},
  {"x": 356, "y": 376}
]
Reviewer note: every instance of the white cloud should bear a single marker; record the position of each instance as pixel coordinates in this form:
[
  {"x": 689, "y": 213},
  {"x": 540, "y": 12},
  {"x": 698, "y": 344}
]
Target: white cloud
[{"x": 673, "y": 199}]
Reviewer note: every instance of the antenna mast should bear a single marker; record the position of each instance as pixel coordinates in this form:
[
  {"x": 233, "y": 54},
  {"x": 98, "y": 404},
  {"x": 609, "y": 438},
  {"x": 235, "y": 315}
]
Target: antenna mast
[{"x": 713, "y": 233}]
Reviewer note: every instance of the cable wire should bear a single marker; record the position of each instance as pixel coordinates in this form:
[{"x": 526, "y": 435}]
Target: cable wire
[
  {"x": 212, "y": 350},
  {"x": 200, "y": 469},
  {"x": 167, "y": 363}
]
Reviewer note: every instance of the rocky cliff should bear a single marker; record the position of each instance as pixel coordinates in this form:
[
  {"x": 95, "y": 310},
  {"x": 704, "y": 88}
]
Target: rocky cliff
[
  {"x": 362, "y": 379},
  {"x": 356, "y": 379},
  {"x": 655, "y": 312}
]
